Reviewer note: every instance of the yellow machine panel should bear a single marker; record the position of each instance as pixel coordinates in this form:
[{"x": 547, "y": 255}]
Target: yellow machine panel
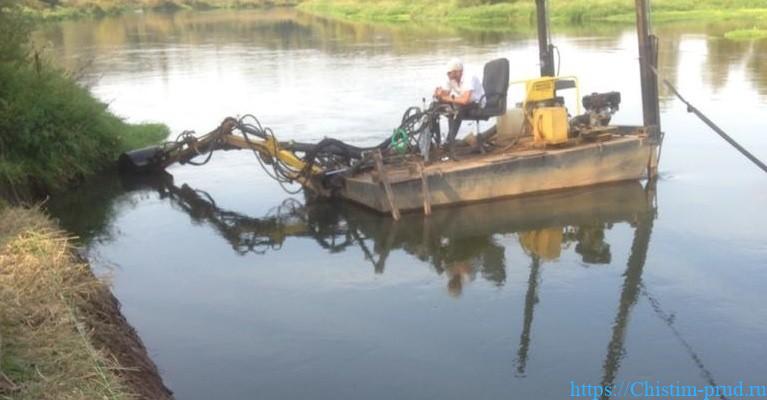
[
  {"x": 550, "y": 125},
  {"x": 540, "y": 89}
]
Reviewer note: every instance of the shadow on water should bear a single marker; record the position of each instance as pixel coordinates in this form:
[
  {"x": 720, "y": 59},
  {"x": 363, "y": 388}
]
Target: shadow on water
[
  {"x": 459, "y": 243},
  {"x": 544, "y": 224}
]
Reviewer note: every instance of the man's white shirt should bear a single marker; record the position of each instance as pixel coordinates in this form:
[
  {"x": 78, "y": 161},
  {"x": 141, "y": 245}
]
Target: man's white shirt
[{"x": 473, "y": 84}]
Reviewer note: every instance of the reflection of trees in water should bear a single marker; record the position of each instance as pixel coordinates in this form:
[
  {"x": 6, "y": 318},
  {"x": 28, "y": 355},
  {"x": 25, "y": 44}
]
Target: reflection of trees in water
[
  {"x": 756, "y": 66},
  {"x": 158, "y": 38},
  {"x": 275, "y": 29},
  {"x": 722, "y": 56},
  {"x": 725, "y": 55},
  {"x": 89, "y": 210},
  {"x": 668, "y": 65}
]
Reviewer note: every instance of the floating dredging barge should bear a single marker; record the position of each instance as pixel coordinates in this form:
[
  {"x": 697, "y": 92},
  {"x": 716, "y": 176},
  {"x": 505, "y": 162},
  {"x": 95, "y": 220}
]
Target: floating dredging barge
[
  {"x": 524, "y": 169},
  {"x": 534, "y": 146}
]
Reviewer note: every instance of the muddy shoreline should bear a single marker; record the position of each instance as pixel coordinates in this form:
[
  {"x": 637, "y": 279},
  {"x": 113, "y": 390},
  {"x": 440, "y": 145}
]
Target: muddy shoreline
[
  {"x": 113, "y": 334},
  {"x": 62, "y": 330}
]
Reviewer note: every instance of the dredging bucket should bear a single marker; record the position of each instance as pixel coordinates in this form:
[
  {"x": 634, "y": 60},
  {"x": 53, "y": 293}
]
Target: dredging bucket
[{"x": 145, "y": 160}]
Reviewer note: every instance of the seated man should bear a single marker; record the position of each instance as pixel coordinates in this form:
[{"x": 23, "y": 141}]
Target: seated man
[{"x": 463, "y": 93}]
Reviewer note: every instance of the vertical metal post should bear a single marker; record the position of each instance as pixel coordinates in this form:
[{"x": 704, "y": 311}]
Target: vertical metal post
[
  {"x": 544, "y": 39},
  {"x": 425, "y": 189},
  {"x": 387, "y": 186},
  {"x": 648, "y": 61}
]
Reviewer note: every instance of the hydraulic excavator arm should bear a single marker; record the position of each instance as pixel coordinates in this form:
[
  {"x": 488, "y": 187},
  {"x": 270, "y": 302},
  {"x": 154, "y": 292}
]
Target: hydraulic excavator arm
[
  {"x": 231, "y": 134},
  {"x": 315, "y": 166}
]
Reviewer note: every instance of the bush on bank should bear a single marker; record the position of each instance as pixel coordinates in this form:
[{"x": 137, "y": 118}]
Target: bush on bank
[{"x": 52, "y": 130}]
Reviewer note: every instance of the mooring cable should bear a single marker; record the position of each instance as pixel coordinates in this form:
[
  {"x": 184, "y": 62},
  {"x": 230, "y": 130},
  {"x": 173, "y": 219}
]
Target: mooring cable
[
  {"x": 668, "y": 320},
  {"x": 712, "y": 125}
]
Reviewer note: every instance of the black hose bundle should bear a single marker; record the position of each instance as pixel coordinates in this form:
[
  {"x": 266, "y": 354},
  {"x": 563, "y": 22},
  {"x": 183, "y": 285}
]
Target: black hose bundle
[
  {"x": 281, "y": 172},
  {"x": 332, "y": 156}
]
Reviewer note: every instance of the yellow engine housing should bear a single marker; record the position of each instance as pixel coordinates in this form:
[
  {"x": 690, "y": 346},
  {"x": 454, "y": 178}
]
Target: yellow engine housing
[
  {"x": 540, "y": 89},
  {"x": 550, "y": 125}
]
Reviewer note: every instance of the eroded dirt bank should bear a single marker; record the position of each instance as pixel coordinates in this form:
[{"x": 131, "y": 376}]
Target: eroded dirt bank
[{"x": 62, "y": 335}]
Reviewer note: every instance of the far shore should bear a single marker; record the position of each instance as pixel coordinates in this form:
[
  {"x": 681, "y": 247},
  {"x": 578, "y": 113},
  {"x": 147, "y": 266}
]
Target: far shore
[{"x": 466, "y": 13}]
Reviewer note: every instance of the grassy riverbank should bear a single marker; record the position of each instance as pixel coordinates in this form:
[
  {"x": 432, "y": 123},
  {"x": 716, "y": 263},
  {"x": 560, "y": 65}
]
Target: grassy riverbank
[
  {"x": 468, "y": 12},
  {"x": 52, "y": 130},
  {"x": 477, "y": 12},
  {"x": 61, "y": 333},
  {"x": 61, "y": 9}
]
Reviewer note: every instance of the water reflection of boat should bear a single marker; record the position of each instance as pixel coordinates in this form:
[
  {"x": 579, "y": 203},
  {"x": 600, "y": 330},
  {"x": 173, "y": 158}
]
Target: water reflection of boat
[
  {"x": 459, "y": 242},
  {"x": 463, "y": 242}
]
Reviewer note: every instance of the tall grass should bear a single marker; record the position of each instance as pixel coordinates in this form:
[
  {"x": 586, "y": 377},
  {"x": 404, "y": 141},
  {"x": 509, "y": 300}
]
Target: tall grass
[
  {"x": 46, "y": 350},
  {"x": 562, "y": 11},
  {"x": 52, "y": 130}
]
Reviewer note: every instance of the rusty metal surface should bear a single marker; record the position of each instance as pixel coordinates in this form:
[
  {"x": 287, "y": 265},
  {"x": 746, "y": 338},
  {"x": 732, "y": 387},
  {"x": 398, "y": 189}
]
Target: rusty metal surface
[{"x": 506, "y": 175}]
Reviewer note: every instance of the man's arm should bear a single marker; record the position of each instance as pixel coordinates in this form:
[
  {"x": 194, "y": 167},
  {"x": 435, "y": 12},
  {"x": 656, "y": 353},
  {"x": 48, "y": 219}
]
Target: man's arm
[
  {"x": 462, "y": 100},
  {"x": 439, "y": 92}
]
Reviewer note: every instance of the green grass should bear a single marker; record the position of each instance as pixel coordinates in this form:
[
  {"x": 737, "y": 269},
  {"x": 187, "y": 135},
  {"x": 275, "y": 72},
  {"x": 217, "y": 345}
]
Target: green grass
[
  {"x": 52, "y": 130},
  {"x": 475, "y": 12},
  {"x": 746, "y": 34},
  {"x": 69, "y": 9},
  {"x": 135, "y": 136},
  {"x": 479, "y": 12}
]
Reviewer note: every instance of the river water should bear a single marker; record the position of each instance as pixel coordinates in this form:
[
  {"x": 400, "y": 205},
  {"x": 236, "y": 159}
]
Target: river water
[{"x": 240, "y": 290}]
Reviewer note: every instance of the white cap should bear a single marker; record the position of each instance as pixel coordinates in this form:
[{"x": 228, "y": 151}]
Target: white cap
[{"x": 454, "y": 65}]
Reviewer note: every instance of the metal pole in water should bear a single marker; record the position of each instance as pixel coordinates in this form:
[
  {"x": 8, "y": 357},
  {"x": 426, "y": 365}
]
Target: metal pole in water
[
  {"x": 648, "y": 59},
  {"x": 545, "y": 50}
]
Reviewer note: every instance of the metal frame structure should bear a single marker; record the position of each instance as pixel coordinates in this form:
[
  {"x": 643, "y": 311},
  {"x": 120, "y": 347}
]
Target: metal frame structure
[{"x": 648, "y": 57}]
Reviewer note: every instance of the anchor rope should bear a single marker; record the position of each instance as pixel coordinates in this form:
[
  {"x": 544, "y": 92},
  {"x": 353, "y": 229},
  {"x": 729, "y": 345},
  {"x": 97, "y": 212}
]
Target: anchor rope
[{"x": 712, "y": 125}]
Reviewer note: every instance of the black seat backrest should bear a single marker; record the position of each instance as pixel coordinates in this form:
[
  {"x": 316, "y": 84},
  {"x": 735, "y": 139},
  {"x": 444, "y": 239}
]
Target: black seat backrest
[{"x": 495, "y": 81}]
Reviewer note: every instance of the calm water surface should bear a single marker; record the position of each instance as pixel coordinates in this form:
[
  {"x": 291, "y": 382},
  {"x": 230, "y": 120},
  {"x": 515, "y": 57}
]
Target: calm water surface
[{"x": 242, "y": 291}]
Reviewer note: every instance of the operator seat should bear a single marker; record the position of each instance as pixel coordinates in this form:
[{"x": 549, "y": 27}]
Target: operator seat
[{"x": 495, "y": 82}]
